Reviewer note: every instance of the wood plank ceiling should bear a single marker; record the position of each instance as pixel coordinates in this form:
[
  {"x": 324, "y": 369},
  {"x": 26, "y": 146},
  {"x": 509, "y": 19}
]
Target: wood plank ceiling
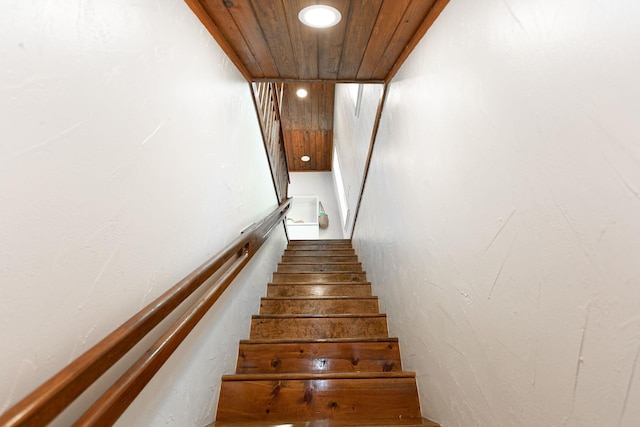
[
  {"x": 267, "y": 42},
  {"x": 307, "y": 126}
]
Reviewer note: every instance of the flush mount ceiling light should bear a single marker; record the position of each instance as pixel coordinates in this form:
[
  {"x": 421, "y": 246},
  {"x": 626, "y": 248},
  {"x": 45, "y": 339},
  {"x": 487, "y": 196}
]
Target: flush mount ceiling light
[
  {"x": 319, "y": 16},
  {"x": 302, "y": 93},
  {"x": 305, "y": 158}
]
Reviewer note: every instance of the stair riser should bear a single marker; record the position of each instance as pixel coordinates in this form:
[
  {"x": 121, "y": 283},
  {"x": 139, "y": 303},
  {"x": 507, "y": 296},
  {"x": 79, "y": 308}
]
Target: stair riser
[
  {"x": 319, "y": 306},
  {"x": 319, "y": 268},
  {"x": 279, "y": 277},
  {"x": 318, "y": 357},
  {"x": 318, "y": 328},
  {"x": 318, "y": 259},
  {"x": 295, "y": 400},
  {"x": 302, "y": 290}
]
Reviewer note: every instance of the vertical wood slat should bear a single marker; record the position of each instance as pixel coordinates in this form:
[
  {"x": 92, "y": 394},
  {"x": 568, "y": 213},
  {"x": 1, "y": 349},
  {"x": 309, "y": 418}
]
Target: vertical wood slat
[
  {"x": 263, "y": 98},
  {"x": 267, "y": 105}
]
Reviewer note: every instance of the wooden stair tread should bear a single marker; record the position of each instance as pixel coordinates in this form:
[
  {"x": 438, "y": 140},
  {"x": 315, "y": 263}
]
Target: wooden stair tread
[
  {"x": 322, "y": 376},
  {"x": 324, "y": 250},
  {"x": 326, "y": 340},
  {"x": 321, "y": 247},
  {"x": 407, "y": 422},
  {"x": 319, "y": 242},
  {"x": 323, "y": 297},
  {"x": 308, "y": 262},
  {"x": 319, "y": 326},
  {"x": 319, "y": 289},
  {"x": 312, "y": 266},
  {"x": 332, "y": 282},
  {"x": 319, "y": 253},
  {"x": 318, "y": 277},
  {"x": 316, "y": 316},
  {"x": 337, "y": 267},
  {"x": 303, "y": 256},
  {"x": 324, "y": 242},
  {"x": 327, "y": 247},
  {"x": 319, "y": 305},
  {"x": 329, "y": 274},
  {"x": 334, "y": 259}
]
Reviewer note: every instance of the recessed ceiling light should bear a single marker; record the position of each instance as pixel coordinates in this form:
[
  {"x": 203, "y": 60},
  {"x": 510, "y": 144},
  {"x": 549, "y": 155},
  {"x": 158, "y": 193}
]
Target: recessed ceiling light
[
  {"x": 302, "y": 93},
  {"x": 319, "y": 16},
  {"x": 305, "y": 158}
]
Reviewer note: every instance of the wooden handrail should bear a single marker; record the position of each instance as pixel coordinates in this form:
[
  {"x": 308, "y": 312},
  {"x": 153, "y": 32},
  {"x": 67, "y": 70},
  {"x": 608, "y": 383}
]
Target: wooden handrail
[{"x": 51, "y": 398}]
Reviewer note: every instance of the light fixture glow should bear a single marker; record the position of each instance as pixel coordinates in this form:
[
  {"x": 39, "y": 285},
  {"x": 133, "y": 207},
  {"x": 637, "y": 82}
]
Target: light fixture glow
[
  {"x": 305, "y": 158},
  {"x": 302, "y": 93},
  {"x": 319, "y": 16}
]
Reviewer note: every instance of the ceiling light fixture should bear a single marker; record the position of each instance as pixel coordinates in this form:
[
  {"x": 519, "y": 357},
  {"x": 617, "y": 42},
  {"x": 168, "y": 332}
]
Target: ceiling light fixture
[
  {"x": 305, "y": 158},
  {"x": 319, "y": 16},
  {"x": 302, "y": 93}
]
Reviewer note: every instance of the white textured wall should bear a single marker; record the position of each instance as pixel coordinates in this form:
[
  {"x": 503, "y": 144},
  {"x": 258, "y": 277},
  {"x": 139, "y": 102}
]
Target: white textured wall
[
  {"x": 501, "y": 218},
  {"x": 129, "y": 154},
  {"x": 319, "y": 184},
  {"x": 352, "y": 137}
]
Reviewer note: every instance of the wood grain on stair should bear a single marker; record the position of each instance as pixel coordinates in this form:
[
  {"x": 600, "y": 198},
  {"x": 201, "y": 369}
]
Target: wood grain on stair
[
  {"x": 312, "y": 247},
  {"x": 318, "y": 277},
  {"x": 358, "y": 289},
  {"x": 367, "y": 422},
  {"x": 318, "y": 245},
  {"x": 319, "y": 258},
  {"x": 309, "y": 267},
  {"x": 337, "y": 355},
  {"x": 312, "y": 252},
  {"x": 295, "y": 398},
  {"x": 329, "y": 326},
  {"x": 318, "y": 305},
  {"x": 319, "y": 353}
]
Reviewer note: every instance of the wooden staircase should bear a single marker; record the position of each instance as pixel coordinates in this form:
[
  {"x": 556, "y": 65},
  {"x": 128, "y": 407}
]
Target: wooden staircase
[{"x": 319, "y": 353}]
